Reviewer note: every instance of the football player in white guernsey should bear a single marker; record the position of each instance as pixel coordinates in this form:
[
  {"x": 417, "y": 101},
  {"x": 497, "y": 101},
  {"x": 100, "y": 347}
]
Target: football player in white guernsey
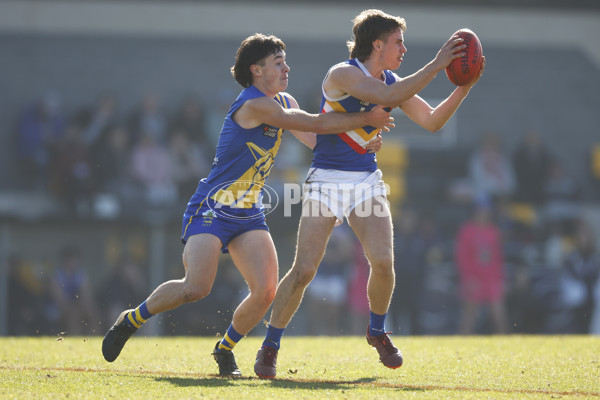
[
  {"x": 367, "y": 79},
  {"x": 252, "y": 128}
]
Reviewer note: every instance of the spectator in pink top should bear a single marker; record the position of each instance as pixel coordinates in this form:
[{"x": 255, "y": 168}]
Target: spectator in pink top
[{"x": 480, "y": 263}]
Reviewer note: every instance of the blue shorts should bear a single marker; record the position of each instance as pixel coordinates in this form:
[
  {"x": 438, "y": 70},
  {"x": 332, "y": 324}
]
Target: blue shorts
[{"x": 225, "y": 227}]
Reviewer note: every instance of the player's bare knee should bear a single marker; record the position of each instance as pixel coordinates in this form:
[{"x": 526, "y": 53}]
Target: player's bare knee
[
  {"x": 383, "y": 259},
  {"x": 303, "y": 273},
  {"x": 383, "y": 266},
  {"x": 264, "y": 289},
  {"x": 193, "y": 293},
  {"x": 266, "y": 295}
]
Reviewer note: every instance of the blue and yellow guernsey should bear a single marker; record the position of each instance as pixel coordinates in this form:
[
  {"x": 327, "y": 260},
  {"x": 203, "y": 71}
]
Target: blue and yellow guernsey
[
  {"x": 346, "y": 150},
  {"x": 243, "y": 161}
]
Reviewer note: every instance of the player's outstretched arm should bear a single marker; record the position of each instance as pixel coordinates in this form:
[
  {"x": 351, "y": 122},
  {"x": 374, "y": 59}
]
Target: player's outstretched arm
[
  {"x": 345, "y": 78},
  {"x": 434, "y": 119},
  {"x": 310, "y": 138},
  {"x": 268, "y": 111}
]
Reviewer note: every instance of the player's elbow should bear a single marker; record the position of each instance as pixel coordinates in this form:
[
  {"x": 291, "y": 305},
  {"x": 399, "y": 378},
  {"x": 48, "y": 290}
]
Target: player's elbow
[
  {"x": 433, "y": 125},
  {"x": 435, "y": 128}
]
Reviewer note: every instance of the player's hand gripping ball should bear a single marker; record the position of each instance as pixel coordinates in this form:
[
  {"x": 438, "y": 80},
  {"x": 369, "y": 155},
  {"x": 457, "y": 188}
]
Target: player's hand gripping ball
[{"x": 464, "y": 69}]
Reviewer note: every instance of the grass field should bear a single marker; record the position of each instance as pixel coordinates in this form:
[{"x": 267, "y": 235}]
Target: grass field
[{"x": 494, "y": 367}]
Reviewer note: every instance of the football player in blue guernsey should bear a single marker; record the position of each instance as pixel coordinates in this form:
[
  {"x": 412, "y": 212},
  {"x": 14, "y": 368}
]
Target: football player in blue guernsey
[
  {"x": 344, "y": 181},
  {"x": 226, "y": 213}
]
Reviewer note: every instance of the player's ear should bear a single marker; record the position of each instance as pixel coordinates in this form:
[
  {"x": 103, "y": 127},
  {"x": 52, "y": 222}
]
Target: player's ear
[
  {"x": 255, "y": 70},
  {"x": 377, "y": 44}
]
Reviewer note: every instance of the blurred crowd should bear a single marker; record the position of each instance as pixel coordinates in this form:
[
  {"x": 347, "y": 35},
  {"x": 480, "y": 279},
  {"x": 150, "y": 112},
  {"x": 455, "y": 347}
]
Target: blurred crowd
[
  {"x": 97, "y": 159},
  {"x": 515, "y": 254}
]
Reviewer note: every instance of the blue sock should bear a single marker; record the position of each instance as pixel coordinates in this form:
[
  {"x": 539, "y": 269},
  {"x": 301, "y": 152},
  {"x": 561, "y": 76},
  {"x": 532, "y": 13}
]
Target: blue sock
[
  {"x": 377, "y": 324},
  {"x": 273, "y": 337},
  {"x": 144, "y": 311},
  {"x": 231, "y": 338},
  {"x": 137, "y": 317}
]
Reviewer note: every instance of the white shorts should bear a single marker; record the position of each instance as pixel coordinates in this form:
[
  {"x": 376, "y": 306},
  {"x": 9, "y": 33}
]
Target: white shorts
[{"x": 342, "y": 191}]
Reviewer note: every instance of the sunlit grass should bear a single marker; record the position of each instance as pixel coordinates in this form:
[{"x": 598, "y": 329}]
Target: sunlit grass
[{"x": 495, "y": 367}]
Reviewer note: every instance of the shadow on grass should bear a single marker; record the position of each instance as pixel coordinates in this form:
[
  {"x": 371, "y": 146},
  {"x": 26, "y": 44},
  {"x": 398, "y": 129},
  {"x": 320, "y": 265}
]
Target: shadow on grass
[
  {"x": 207, "y": 382},
  {"x": 341, "y": 385},
  {"x": 278, "y": 383}
]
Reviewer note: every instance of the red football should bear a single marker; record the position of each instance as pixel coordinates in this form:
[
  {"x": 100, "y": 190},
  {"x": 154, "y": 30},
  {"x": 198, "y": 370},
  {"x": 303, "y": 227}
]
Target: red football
[{"x": 462, "y": 70}]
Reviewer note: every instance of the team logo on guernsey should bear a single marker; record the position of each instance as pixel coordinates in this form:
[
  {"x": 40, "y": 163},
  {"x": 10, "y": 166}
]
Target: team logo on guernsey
[
  {"x": 245, "y": 191},
  {"x": 249, "y": 191}
]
